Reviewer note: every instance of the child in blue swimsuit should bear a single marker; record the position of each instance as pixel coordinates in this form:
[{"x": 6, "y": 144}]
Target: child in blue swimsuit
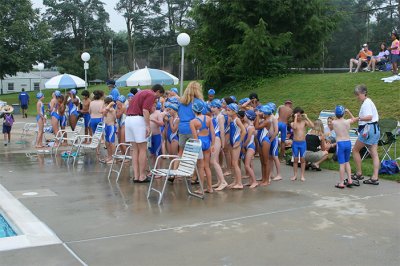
[
  {"x": 227, "y": 148},
  {"x": 249, "y": 148},
  {"x": 274, "y": 148},
  {"x": 203, "y": 129},
  {"x": 262, "y": 123},
  {"x": 110, "y": 128},
  {"x": 171, "y": 128},
  {"x": 236, "y": 136},
  {"x": 72, "y": 103}
]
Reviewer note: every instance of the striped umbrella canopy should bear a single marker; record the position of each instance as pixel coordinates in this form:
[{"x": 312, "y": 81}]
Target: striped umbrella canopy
[
  {"x": 146, "y": 76},
  {"x": 64, "y": 81}
]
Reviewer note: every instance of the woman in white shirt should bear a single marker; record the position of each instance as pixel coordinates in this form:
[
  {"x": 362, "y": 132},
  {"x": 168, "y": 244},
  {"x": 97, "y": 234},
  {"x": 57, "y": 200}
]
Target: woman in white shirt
[
  {"x": 381, "y": 57},
  {"x": 369, "y": 134}
]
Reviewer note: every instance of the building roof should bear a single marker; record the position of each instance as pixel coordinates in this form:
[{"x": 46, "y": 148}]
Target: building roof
[{"x": 34, "y": 75}]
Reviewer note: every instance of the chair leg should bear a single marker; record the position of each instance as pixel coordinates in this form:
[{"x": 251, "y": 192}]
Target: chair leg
[
  {"x": 164, "y": 187},
  {"x": 150, "y": 186},
  {"x": 120, "y": 168},
  {"x": 111, "y": 169}
]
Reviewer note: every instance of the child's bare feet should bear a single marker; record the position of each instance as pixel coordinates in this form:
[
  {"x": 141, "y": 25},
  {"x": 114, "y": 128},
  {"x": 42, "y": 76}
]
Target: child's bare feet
[
  {"x": 263, "y": 184},
  {"x": 277, "y": 178},
  {"x": 221, "y": 186},
  {"x": 216, "y": 185},
  {"x": 302, "y": 179},
  {"x": 232, "y": 184},
  {"x": 294, "y": 178},
  {"x": 254, "y": 184},
  {"x": 237, "y": 186},
  {"x": 209, "y": 190},
  {"x": 227, "y": 173}
]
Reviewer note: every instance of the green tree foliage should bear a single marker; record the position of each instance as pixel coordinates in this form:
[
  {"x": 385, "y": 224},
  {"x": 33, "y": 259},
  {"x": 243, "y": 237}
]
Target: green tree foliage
[
  {"x": 25, "y": 38},
  {"x": 257, "y": 38}
]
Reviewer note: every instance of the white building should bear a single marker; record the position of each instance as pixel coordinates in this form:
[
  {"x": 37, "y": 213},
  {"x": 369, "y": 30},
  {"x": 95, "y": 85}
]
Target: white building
[{"x": 31, "y": 81}]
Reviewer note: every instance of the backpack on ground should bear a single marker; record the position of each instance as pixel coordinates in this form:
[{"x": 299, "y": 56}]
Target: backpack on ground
[
  {"x": 8, "y": 120},
  {"x": 389, "y": 167}
]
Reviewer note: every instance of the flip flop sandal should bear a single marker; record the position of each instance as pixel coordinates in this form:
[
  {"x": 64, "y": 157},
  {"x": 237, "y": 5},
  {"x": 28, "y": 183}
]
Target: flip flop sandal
[
  {"x": 371, "y": 181},
  {"x": 340, "y": 186},
  {"x": 354, "y": 183}
]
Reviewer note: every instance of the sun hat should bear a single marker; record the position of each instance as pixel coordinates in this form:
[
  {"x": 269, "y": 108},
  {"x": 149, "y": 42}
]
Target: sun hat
[
  {"x": 211, "y": 92},
  {"x": 121, "y": 99},
  {"x": 234, "y": 107},
  {"x": 175, "y": 90},
  {"x": 216, "y": 103},
  {"x": 7, "y": 109},
  {"x": 250, "y": 114},
  {"x": 39, "y": 95},
  {"x": 339, "y": 111},
  {"x": 197, "y": 106},
  {"x": 266, "y": 110}
]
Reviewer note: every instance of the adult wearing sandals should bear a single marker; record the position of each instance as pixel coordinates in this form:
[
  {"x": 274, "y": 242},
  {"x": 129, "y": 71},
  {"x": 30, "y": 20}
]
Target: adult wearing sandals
[
  {"x": 369, "y": 134},
  {"x": 316, "y": 151}
]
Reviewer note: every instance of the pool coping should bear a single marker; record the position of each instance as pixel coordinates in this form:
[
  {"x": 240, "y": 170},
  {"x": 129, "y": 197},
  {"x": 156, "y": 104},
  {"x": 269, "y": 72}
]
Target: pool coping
[{"x": 31, "y": 231}]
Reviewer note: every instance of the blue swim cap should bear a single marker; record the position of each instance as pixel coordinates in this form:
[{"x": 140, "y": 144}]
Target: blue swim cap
[
  {"x": 174, "y": 90},
  {"x": 272, "y": 106},
  {"x": 243, "y": 101},
  {"x": 173, "y": 106},
  {"x": 211, "y": 92},
  {"x": 39, "y": 95},
  {"x": 339, "y": 111},
  {"x": 121, "y": 98},
  {"x": 57, "y": 94},
  {"x": 130, "y": 94},
  {"x": 73, "y": 91},
  {"x": 198, "y": 106},
  {"x": 173, "y": 100},
  {"x": 266, "y": 110},
  {"x": 258, "y": 107},
  {"x": 110, "y": 96},
  {"x": 216, "y": 103},
  {"x": 233, "y": 98},
  {"x": 158, "y": 106},
  {"x": 250, "y": 114},
  {"x": 234, "y": 107}
]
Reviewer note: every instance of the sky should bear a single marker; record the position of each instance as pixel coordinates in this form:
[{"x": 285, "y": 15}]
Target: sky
[{"x": 117, "y": 22}]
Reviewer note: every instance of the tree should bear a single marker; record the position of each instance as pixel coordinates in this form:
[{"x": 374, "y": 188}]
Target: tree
[{"x": 25, "y": 38}]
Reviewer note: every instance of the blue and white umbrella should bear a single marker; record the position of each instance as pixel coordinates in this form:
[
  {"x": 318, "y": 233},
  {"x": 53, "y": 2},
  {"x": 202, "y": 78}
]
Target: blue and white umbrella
[
  {"x": 145, "y": 77},
  {"x": 64, "y": 81}
]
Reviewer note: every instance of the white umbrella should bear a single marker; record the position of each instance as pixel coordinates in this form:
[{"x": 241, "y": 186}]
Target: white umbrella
[
  {"x": 64, "y": 81},
  {"x": 145, "y": 77}
]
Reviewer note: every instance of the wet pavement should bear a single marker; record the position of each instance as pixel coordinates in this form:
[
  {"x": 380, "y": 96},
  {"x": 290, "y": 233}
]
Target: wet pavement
[{"x": 286, "y": 223}]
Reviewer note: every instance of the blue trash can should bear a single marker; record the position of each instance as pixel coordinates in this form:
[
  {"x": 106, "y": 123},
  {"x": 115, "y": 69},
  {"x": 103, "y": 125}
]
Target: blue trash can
[{"x": 17, "y": 108}]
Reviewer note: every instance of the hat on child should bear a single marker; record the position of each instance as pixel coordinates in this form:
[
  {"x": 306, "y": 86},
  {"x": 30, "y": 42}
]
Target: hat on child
[
  {"x": 57, "y": 93},
  {"x": 198, "y": 106},
  {"x": 216, "y": 103},
  {"x": 73, "y": 91},
  {"x": 211, "y": 92},
  {"x": 234, "y": 107},
  {"x": 174, "y": 90},
  {"x": 233, "y": 98},
  {"x": 121, "y": 99},
  {"x": 339, "y": 111},
  {"x": 173, "y": 106},
  {"x": 266, "y": 110},
  {"x": 243, "y": 101},
  {"x": 7, "y": 109},
  {"x": 39, "y": 95},
  {"x": 272, "y": 105},
  {"x": 130, "y": 94},
  {"x": 251, "y": 115}
]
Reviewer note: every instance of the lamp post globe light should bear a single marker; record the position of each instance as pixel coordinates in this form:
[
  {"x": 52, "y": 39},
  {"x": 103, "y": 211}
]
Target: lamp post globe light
[
  {"x": 85, "y": 58},
  {"x": 183, "y": 40},
  {"x": 40, "y": 67}
]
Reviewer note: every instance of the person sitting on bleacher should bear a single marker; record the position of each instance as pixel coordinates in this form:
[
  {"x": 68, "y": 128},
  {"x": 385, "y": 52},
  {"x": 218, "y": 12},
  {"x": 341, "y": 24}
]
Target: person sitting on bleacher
[
  {"x": 362, "y": 58},
  {"x": 379, "y": 59}
]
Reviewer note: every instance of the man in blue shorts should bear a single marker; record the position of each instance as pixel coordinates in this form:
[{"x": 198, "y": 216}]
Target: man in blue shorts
[{"x": 24, "y": 102}]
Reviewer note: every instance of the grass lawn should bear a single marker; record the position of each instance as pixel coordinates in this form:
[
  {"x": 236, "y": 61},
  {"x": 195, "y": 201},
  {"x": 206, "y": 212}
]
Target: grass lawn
[{"x": 313, "y": 92}]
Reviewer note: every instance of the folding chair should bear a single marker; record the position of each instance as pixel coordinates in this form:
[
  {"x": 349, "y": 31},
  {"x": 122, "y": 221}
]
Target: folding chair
[
  {"x": 68, "y": 135},
  {"x": 119, "y": 157},
  {"x": 388, "y": 138},
  {"x": 27, "y": 128},
  {"x": 323, "y": 116},
  {"x": 95, "y": 141},
  {"x": 187, "y": 167}
]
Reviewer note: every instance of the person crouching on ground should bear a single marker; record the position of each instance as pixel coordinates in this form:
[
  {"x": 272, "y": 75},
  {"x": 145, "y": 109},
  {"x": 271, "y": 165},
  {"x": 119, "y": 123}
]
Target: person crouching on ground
[
  {"x": 202, "y": 128},
  {"x": 110, "y": 116},
  {"x": 299, "y": 145},
  {"x": 343, "y": 144}
]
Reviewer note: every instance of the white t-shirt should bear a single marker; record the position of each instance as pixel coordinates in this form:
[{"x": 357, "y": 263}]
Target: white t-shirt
[{"x": 368, "y": 108}]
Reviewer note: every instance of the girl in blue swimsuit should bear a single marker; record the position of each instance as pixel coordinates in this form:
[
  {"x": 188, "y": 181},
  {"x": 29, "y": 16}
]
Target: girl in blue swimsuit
[
  {"x": 237, "y": 133},
  {"x": 203, "y": 129},
  {"x": 219, "y": 128},
  {"x": 249, "y": 148},
  {"x": 227, "y": 148},
  {"x": 72, "y": 104},
  {"x": 40, "y": 119},
  {"x": 171, "y": 128}
]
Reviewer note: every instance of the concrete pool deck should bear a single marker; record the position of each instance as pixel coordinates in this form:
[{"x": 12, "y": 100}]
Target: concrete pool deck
[{"x": 286, "y": 223}]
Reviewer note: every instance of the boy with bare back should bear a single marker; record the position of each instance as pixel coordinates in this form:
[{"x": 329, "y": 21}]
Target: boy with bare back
[
  {"x": 284, "y": 112},
  {"x": 156, "y": 122},
  {"x": 85, "y": 111},
  {"x": 343, "y": 144},
  {"x": 299, "y": 146}
]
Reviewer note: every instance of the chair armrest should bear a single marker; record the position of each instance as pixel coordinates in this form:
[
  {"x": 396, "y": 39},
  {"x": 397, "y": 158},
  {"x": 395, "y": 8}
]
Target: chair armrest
[
  {"x": 122, "y": 144},
  {"x": 181, "y": 160},
  {"x": 164, "y": 156}
]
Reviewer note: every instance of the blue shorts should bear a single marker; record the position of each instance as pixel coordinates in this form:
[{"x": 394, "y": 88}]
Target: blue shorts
[
  {"x": 54, "y": 114},
  {"x": 110, "y": 133},
  {"x": 86, "y": 118},
  {"x": 6, "y": 129},
  {"x": 94, "y": 122},
  {"x": 282, "y": 127},
  {"x": 299, "y": 147},
  {"x": 273, "y": 150},
  {"x": 156, "y": 142},
  {"x": 205, "y": 142},
  {"x": 343, "y": 151},
  {"x": 372, "y": 136},
  {"x": 63, "y": 121},
  {"x": 395, "y": 58},
  {"x": 24, "y": 106}
]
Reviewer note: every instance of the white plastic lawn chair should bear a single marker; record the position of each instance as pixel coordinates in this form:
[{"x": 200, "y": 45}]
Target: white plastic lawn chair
[
  {"x": 120, "y": 157},
  {"x": 187, "y": 167},
  {"x": 68, "y": 135},
  {"x": 323, "y": 116},
  {"x": 94, "y": 144}
]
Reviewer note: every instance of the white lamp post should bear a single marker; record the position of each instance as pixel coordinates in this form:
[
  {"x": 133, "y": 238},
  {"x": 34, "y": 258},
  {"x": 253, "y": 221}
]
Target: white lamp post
[
  {"x": 183, "y": 40},
  {"x": 112, "y": 58},
  {"x": 85, "y": 58},
  {"x": 40, "y": 67}
]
